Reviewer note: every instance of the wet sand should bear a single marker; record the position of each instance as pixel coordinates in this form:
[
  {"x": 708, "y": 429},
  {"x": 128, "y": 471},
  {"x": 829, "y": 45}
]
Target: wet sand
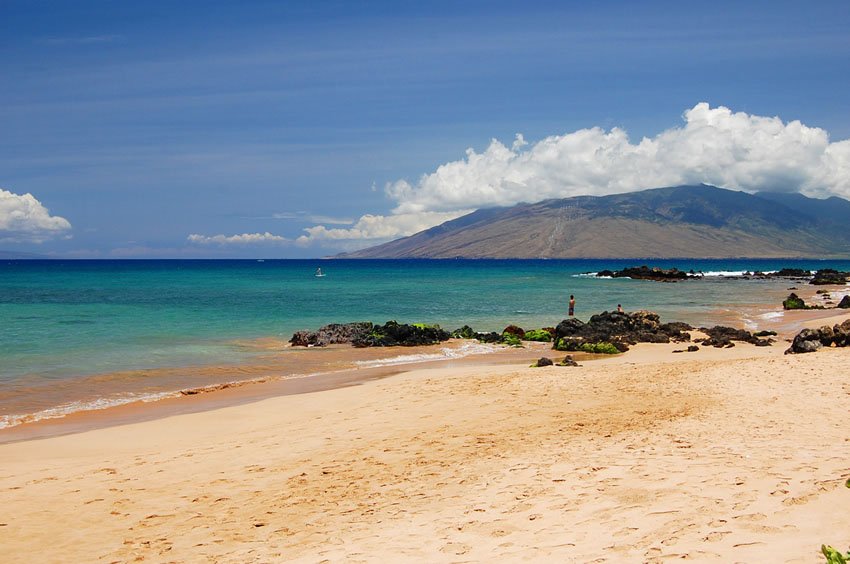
[
  {"x": 251, "y": 383},
  {"x": 720, "y": 455}
]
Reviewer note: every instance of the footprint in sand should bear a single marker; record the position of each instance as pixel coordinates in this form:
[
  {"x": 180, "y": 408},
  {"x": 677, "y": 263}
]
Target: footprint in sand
[
  {"x": 624, "y": 532},
  {"x": 653, "y": 552},
  {"x": 743, "y": 544},
  {"x": 457, "y": 548},
  {"x": 750, "y": 517},
  {"x": 715, "y": 536},
  {"x": 764, "y": 529},
  {"x": 799, "y": 500}
]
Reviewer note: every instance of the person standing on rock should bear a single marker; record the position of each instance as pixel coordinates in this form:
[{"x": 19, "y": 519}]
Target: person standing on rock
[{"x": 572, "y": 309}]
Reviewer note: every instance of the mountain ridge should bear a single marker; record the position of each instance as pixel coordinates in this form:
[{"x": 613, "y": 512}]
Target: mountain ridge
[{"x": 698, "y": 221}]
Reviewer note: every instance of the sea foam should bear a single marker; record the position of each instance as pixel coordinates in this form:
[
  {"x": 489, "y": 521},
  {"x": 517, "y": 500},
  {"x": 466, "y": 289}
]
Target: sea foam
[
  {"x": 77, "y": 406},
  {"x": 462, "y": 351},
  {"x": 733, "y": 273}
]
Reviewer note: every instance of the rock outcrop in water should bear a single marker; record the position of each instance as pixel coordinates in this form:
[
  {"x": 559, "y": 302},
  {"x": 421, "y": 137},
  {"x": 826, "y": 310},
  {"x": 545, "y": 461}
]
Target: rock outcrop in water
[
  {"x": 826, "y": 276},
  {"x": 844, "y": 303},
  {"x": 810, "y": 340},
  {"x": 366, "y": 334},
  {"x": 791, "y": 273},
  {"x": 393, "y": 334},
  {"x": 647, "y": 273},
  {"x": 793, "y": 301},
  {"x": 619, "y": 330},
  {"x": 607, "y": 333},
  {"x": 335, "y": 333}
]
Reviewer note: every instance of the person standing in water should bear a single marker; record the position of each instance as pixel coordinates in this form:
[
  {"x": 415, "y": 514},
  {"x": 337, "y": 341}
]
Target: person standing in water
[
  {"x": 572, "y": 309},
  {"x": 619, "y": 308}
]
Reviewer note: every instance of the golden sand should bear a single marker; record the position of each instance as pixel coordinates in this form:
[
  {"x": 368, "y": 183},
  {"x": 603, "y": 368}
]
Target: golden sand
[{"x": 721, "y": 455}]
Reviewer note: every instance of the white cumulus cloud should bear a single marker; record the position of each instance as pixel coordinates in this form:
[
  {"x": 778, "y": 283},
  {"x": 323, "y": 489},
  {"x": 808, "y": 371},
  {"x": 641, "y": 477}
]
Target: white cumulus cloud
[
  {"x": 378, "y": 228},
  {"x": 24, "y": 218},
  {"x": 306, "y": 216},
  {"x": 715, "y": 146},
  {"x": 241, "y": 239}
]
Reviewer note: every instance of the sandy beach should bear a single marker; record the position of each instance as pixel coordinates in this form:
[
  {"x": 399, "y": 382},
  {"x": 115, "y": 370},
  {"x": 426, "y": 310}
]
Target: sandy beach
[
  {"x": 732, "y": 455},
  {"x": 424, "y": 282}
]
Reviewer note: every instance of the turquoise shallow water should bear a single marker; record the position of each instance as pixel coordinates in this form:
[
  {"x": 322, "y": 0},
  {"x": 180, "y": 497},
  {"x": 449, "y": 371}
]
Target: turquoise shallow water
[{"x": 65, "y": 320}]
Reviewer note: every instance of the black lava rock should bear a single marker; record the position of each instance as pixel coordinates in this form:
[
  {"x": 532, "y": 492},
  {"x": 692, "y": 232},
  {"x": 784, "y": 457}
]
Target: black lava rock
[
  {"x": 393, "y": 334},
  {"x": 810, "y": 340},
  {"x": 720, "y": 336},
  {"x": 568, "y": 361},
  {"x": 335, "y": 333},
  {"x": 829, "y": 276},
  {"x": 647, "y": 273},
  {"x": 464, "y": 332},
  {"x": 618, "y": 329},
  {"x": 792, "y": 273}
]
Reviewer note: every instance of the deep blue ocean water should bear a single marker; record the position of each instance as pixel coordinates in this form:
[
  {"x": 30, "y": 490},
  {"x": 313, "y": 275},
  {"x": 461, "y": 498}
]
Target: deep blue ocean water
[{"x": 61, "y": 320}]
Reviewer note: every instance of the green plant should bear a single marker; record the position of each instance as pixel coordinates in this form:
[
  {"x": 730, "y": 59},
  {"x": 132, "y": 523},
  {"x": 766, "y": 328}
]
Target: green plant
[
  {"x": 832, "y": 555},
  {"x": 565, "y": 344},
  {"x": 465, "y": 332},
  {"x": 602, "y": 347},
  {"x": 793, "y": 302},
  {"x": 598, "y": 348},
  {"x": 511, "y": 340},
  {"x": 540, "y": 335}
]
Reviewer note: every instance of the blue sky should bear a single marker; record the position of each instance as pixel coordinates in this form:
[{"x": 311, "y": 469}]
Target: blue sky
[{"x": 193, "y": 129}]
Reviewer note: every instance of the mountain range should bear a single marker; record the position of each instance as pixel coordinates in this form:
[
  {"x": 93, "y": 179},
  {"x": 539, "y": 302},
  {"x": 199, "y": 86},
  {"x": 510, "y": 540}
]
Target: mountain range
[{"x": 676, "y": 222}]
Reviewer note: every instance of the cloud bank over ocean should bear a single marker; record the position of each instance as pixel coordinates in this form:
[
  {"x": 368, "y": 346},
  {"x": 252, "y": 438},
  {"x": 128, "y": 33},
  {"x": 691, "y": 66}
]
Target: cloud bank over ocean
[
  {"x": 242, "y": 239},
  {"x": 715, "y": 146},
  {"x": 24, "y": 218}
]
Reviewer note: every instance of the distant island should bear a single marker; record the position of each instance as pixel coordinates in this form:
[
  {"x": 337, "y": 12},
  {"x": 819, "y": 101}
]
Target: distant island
[{"x": 676, "y": 222}]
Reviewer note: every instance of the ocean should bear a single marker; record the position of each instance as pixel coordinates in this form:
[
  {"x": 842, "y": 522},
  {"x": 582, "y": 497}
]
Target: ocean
[{"x": 80, "y": 334}]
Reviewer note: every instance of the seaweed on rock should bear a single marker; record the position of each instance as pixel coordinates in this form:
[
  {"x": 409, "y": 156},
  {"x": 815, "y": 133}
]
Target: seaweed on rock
[
  {"x": 393, "y": 333},
  {"x": 619, "y": 330},
  {"x": 539, "y": 335}
]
